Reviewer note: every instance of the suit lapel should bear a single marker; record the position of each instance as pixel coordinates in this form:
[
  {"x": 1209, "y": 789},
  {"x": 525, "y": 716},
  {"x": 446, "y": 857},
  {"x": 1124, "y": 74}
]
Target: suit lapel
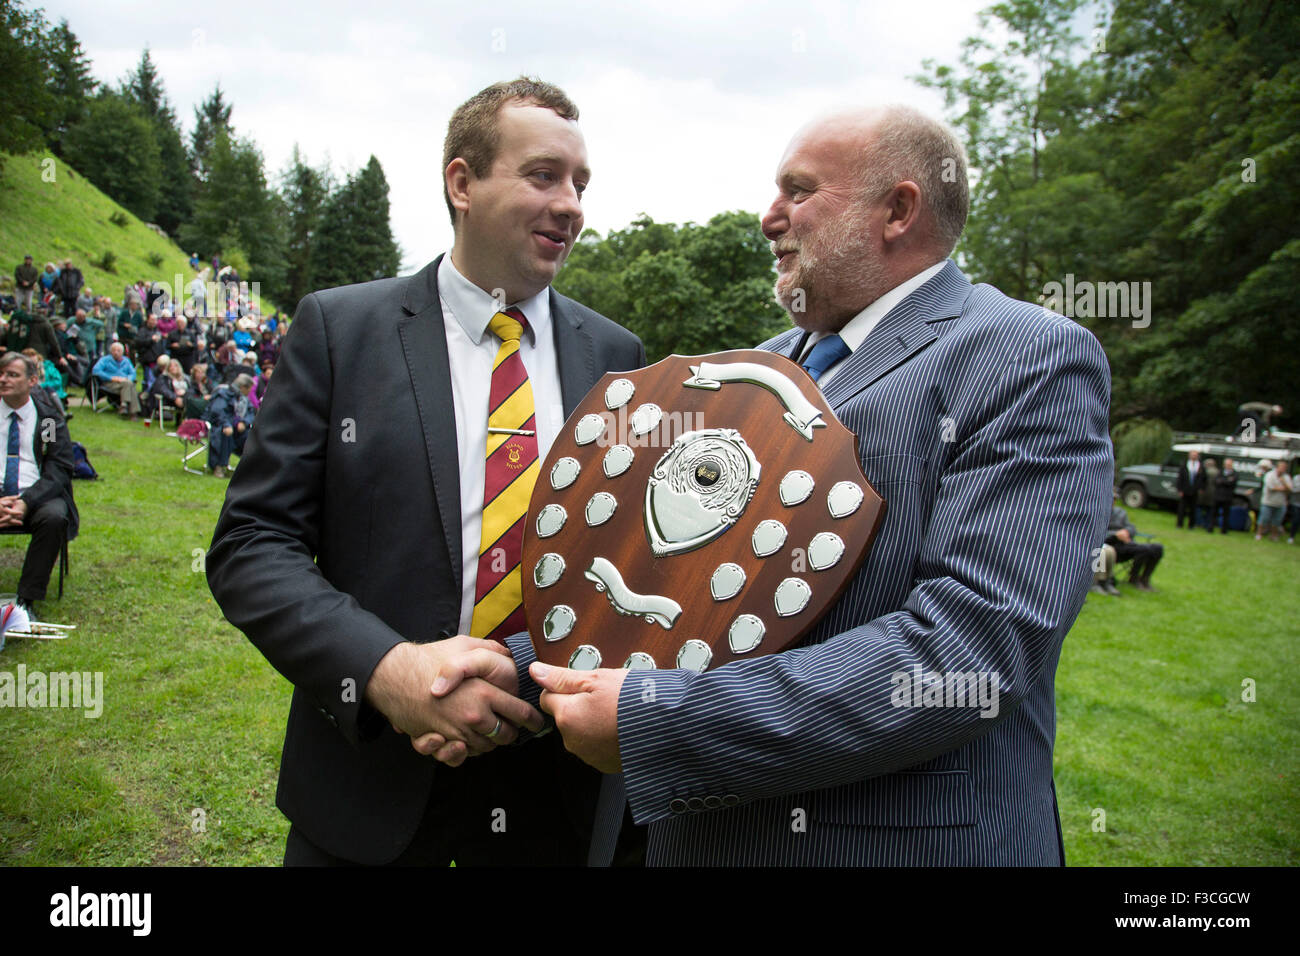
[
  {"x": 904, "y": 331},
  {"x": 424, "y": 344},
  {"x": 575, "y": 353}
]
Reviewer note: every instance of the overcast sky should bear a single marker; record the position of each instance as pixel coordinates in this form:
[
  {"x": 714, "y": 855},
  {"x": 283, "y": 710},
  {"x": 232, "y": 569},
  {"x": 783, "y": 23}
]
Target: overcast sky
[{"x": 686, "y": 106}]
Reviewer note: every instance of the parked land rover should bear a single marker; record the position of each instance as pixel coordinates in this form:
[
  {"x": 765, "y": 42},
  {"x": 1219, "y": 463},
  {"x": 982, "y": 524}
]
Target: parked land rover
[{"x": 1141, "y": 485}]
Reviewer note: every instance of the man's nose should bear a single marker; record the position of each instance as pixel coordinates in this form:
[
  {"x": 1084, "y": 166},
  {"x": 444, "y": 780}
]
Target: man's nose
[
  {"x": 774, "y": 221},
  {"x": 568, "y": 201}
]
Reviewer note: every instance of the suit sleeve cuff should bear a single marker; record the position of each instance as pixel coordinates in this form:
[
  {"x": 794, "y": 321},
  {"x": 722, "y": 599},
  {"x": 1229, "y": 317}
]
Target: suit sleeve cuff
[
  {"x": 656, "y": 782},
  {"x": 521, "y": 649}
]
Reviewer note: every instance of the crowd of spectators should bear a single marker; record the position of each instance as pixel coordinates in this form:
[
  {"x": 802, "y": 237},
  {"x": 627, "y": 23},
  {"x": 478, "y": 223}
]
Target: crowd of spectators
[{"x": 210, "y": 358}]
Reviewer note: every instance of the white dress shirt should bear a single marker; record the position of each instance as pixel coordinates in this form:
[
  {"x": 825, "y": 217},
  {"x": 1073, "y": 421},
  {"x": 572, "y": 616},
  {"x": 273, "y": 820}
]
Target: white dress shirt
[
  {"x": 471, "y": 349},
  {"x": 28, "y": 473},
  {"x": 857, "y": 329}
]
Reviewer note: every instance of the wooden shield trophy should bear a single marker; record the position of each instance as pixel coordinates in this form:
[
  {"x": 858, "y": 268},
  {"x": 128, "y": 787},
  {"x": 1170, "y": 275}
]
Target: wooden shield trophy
[{"x": 699, "y": 511}]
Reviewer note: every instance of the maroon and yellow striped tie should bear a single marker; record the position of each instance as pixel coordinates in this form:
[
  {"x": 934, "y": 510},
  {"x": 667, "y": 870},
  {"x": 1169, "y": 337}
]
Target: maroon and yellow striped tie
[{"x": 512, "y": 468}]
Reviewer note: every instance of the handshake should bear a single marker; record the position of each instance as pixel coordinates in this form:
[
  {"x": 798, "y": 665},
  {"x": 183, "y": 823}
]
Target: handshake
[{"x": 458, "y": 698}]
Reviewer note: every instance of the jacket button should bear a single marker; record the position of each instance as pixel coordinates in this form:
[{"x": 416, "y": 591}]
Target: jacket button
[
  {"x": 678, "y": 805},
  {"x": 712, "y": 802},
  {"x": 695, "y": 804}
]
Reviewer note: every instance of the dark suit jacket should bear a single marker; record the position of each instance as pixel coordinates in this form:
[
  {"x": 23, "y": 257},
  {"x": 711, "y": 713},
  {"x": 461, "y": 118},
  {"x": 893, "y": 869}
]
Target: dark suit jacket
[
  {"x": 982, "y": 421},
  {"x": 54, "y": 459},
  {"x": 1186, "y": 486},
  {"x": 341, "y": 536}
]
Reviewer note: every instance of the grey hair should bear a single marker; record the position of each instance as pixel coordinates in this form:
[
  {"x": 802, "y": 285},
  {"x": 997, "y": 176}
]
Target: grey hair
[
  {"x": 8, "y": 358},
  {"x": 908, "y": 145},
  {"x": 243, "y": 380}
]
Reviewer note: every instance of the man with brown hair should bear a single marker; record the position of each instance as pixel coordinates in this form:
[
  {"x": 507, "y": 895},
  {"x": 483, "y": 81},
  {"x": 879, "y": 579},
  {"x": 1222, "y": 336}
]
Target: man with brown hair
[{"x": 376, "y": 486}]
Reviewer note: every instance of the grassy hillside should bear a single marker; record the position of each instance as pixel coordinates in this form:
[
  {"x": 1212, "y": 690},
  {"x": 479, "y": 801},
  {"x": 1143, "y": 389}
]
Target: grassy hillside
[{"x": 69, "y": 218}]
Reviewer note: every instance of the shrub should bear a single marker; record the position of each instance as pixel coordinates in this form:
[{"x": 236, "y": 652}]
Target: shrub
[
  {"x": 119, "y": 218},
  {"x": 1140, "y": 441},
  {"x": 155, "y": 259},
  {"x": 107, "y": 262}
]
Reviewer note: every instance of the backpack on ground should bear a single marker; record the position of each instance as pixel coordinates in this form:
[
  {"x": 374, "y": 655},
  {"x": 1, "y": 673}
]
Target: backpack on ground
[{"x": 81, "y": 466}]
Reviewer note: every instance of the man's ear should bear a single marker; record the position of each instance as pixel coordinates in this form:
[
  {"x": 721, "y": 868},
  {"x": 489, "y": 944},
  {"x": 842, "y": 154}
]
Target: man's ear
[
  {"x": 457, "y": 177},
  {"x": 904, "y": 211}
]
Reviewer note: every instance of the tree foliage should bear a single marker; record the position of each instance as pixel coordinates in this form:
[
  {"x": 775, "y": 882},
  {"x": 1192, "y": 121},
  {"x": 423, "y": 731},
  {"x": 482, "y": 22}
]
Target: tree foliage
[
  {"x": 1162, "y": 149},
  {"x": 355, "y": 241},
  {"x": 113, "y": 146},
  {"x": 687, "y": 290}
]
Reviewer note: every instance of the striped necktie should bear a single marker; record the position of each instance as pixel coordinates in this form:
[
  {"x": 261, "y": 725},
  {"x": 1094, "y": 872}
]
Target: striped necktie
[{"x": 512, "y": 468}]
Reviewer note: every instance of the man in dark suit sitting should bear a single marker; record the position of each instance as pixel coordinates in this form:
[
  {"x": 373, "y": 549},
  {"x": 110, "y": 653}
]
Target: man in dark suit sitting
[
  {"x": 365, "y": 525},
  {"x": 37, "y": 492}
]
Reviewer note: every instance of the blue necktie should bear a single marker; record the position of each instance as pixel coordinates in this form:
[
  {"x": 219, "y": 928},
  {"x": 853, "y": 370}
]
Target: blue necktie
[
  {"x": 824, "y": 354},
  {"x": 14, "y": 456}
]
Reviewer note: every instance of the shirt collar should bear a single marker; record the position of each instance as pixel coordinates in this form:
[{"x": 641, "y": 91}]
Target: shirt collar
[
  {"x": 857, "y": 329},
  {"x": 473, "y": 308},
  {"x": 26, "y": 414}
]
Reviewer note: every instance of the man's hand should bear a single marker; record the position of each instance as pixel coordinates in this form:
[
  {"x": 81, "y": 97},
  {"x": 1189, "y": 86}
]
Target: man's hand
[
  {"x": 1123, "y": 535},
  {"x": 402, "y": 689},
  {"x": 585, "y": 707},
  {"x": 12, "y": 511}
]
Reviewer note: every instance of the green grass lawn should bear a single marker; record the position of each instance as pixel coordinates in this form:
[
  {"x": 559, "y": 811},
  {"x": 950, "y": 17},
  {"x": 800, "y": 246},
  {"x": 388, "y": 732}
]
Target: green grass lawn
[{"x": 1152, "y": 728}]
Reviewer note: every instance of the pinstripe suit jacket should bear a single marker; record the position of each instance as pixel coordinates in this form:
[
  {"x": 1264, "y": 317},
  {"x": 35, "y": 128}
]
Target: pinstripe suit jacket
[{"x": 983, "y": 423}]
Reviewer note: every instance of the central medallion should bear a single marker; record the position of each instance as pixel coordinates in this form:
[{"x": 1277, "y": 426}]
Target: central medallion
[{"x": 698, "y": 489}]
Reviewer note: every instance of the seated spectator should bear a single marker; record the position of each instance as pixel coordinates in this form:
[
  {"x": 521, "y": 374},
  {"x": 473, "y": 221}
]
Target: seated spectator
[
  {"x": 116, "y": 375},
  {"x": 243, "y": 335},
  {"x": 1273, "y": 502},
  {"x": 168, "y": 389},
  {"x": 166, "y": 322},
  {"x": 227, "y": 354},
  {"x": 181, "y": 343},
  {"x": 229, "y": 416},
  {"x": 1103, "y": 577},
  {"x": 200, "y": 391},
  {"x": 149, "y": 344},
  {"x": 75, "y": 362},
  {"x": 130, "y": 320},
  {"x": 42, "y": 337},
  {"x": 89, "y": 332},
  {"x": 1122, "y": 536},
  {"x": 86, "y": 301},
  {"x": 49, "y": 378},
  {"x": 263, "y": 381},
  {"x": 37, "y": 494},
  {"x": 268, "y": 350},
  {"x": 242, "y": 365}
]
